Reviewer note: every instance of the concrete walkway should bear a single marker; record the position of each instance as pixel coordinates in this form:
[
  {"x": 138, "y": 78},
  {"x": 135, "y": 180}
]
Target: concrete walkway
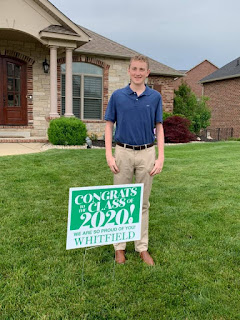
[{"x": 8, "y": 149}]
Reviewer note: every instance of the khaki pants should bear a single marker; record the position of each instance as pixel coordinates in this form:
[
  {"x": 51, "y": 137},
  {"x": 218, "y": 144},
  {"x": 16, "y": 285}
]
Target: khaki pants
[{"x": 139, "y": 163}]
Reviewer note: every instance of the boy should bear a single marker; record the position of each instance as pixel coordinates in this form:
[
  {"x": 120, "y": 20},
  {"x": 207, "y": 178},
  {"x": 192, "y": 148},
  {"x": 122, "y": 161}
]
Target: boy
[{"x": 136, "y": 109}]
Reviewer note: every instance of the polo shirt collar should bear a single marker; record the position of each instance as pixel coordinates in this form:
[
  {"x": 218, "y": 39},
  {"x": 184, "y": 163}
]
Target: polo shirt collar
[{"x": 146, "y": 92}]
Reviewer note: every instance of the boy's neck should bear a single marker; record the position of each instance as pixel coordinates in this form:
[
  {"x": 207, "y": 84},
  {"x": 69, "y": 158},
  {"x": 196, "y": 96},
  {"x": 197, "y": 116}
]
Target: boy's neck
[{"x": 139, "y": 89}]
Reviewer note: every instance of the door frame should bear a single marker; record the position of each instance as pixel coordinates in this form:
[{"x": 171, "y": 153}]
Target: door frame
[{"x": 1, "y": 91}]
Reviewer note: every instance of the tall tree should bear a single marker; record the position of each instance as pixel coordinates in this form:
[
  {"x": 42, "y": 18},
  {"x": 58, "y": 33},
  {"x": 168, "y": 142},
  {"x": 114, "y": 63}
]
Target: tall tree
[{"x": 195, "y": 109}]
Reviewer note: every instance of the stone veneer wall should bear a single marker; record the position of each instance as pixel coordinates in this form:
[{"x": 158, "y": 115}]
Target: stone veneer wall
[{"x": 38, "y": 84}]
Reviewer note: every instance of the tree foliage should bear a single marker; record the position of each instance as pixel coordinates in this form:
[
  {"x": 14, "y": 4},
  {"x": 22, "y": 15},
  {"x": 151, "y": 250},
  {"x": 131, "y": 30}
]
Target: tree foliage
[{"x": 195, "y": 109}]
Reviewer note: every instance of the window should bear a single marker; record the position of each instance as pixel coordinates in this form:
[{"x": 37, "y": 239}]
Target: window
[{"x": 87, "y": 90}]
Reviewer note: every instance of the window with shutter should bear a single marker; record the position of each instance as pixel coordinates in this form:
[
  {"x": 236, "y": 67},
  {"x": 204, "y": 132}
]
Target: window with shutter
[
  {"x": 87, "y": 90},
  {"x": 157, "y": 87}
]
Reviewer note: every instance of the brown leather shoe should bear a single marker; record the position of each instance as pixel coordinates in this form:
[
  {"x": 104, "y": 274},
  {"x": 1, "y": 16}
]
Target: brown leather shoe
[
  {"x": 145, "y": 256},
  {"x": 120, "y": 256}
]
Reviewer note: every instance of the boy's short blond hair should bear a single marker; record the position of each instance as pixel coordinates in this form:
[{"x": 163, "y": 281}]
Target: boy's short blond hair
[{"x": 140, "y": 57}]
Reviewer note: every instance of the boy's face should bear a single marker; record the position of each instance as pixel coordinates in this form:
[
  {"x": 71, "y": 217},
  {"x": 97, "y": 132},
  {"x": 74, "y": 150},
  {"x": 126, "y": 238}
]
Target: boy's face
[{"x": 138, "y": 72}]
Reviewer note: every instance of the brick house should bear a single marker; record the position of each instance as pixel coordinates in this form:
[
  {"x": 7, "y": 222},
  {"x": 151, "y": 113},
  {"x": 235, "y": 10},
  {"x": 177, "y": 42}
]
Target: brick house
[
  {"x": 223, "y": 89},
  {"x": 194, "y": 75},
  {"x": 84, "y": 69}
]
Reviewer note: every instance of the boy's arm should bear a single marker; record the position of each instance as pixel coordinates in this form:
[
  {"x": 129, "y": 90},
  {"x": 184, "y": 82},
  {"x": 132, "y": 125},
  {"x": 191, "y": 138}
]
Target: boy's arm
[
  {"x": 160, "y": 144},
  {"x": 108, "y": 145}
]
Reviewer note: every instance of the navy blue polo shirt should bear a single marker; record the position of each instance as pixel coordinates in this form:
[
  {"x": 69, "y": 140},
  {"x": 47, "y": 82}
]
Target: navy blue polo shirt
[{"x": 135, "y": 116}]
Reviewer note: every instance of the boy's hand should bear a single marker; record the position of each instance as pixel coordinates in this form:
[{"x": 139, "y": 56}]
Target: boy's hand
[{"x": 112, "y": 164}]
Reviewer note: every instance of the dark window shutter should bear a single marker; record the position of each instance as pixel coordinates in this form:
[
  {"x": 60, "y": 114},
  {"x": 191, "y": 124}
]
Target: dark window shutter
[
  {"x": 157, "y": 87},
  {"x": 63, "y": 94}
]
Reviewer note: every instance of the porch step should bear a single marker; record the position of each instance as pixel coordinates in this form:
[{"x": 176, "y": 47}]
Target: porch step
[
  {"x": 23, "y": 140},
  {"x": 14, "y": 134}
]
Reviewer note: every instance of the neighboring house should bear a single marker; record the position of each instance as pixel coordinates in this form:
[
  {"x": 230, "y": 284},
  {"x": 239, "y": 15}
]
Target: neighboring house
[
  {"x": 223, "y": 89},
  {"x": 195, "y": 74},
  {"x": 84, "y": 69}
]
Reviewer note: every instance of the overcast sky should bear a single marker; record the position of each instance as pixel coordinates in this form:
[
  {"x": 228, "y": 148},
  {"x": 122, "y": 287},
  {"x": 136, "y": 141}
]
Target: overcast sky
[{"x": 178, "y": 33}]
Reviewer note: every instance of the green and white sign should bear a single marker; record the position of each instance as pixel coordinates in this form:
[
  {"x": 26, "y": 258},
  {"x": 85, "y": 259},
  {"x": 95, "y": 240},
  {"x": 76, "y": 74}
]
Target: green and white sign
[{"x": 104, "y": 215}]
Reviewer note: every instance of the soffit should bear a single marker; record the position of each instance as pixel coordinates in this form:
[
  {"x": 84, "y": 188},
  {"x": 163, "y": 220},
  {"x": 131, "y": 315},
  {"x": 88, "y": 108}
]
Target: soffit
[
  {"x": 14, "y": 35},
  {"x": 34, "y": 16}
]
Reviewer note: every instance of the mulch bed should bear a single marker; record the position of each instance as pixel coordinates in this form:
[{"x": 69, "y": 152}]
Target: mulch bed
[{"x": 101, "y": 143}]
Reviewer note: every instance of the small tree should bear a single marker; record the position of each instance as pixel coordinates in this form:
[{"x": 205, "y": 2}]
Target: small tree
[
  {"x": 176, "y": 129},
  {"x": 196, "y": 110}
]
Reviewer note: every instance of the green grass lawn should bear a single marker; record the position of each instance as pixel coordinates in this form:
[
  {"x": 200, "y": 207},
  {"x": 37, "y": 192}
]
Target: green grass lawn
[{"x": 194, "y": 239}]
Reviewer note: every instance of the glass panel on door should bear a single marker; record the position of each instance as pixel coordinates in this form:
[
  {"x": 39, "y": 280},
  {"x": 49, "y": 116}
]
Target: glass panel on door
[{"x": 13, "y": 85}]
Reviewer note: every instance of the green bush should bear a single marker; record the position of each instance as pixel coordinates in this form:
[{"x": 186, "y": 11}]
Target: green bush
[
  {"x": 67, "y": 131},
  {"x": 169, "y": 114},
  {"x": 166, "y": 115},
  {"x": 234, "y": 139},
  {"x": 193, "y": 108}
]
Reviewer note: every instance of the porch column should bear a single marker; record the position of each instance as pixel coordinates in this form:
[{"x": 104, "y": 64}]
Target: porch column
[
  {"x": 53, "y": 82},
  {"x": 68, "y": 88}
]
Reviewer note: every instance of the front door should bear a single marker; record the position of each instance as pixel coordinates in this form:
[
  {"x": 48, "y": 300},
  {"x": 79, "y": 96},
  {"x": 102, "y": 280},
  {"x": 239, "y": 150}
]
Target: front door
[{"x": 13, "y": 100}]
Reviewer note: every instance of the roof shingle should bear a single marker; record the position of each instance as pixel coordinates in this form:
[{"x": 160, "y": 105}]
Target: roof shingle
[
  {"x": 105, "y": 47},
  {"x": 59, "y": 29},
  {"x": 230, "y": 70}
]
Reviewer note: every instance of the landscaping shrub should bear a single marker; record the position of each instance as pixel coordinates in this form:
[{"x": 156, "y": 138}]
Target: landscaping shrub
[
  {"x": 233, "y": 139},
  {"x": 67, "y": 131},
  {"x": 195, "y": 109},
  {"x": 169, "y": 114},
  {"x": 93, "y": 136},
  {"x": 176, "y": 129},
  {"x": 166, "y": 115}
]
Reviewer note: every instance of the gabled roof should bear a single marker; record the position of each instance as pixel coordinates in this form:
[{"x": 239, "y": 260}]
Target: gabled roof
[
  {"x": 100, "y": 45},
  {"x": 200, "y": 64},
  {"x": 66, "y": 27},
  {"x": 230, "y": 70}
]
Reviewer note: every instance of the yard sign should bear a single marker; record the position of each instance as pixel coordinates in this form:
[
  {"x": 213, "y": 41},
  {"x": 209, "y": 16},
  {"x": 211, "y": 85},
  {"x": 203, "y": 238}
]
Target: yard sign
[{"x": 104, "y": 215}]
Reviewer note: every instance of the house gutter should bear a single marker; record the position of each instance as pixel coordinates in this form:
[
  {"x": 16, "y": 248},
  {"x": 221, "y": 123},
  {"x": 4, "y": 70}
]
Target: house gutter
[{"x": 222, "y": 78}]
